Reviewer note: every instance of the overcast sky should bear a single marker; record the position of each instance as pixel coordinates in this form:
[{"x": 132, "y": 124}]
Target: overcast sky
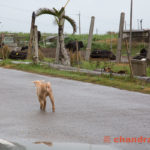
[{"x": 15, "y": 15}]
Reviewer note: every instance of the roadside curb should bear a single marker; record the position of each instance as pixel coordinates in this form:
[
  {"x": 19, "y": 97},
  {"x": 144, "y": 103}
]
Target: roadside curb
[{"x": 86, "y": 71}]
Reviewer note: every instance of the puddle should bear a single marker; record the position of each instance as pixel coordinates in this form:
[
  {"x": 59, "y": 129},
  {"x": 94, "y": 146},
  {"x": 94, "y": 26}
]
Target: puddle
[{"x": 46, "y": 145}]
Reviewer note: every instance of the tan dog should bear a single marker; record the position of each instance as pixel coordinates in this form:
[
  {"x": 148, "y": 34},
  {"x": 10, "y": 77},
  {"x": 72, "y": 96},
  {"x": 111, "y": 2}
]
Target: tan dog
[{"x": 43, "y": 90}]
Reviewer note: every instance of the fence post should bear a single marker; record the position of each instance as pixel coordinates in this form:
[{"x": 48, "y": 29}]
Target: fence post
[
  {"x": 120, "y": 36},
  {"x": 30, "y": 50},
  {"x": 88, "y": 49},
  {"x": 36, "y": 54}
]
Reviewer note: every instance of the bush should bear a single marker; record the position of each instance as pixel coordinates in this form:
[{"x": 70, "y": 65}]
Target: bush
[{"x": 98, "y": 45}]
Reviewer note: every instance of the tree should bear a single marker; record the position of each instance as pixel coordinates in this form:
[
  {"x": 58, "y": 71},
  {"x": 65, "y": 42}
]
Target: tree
[{"x": 59, "y": 16}]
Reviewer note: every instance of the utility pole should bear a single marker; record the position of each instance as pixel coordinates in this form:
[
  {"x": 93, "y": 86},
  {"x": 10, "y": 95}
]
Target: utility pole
[
  {"x": 138, "y": 24},
  {"x": 141, "y": 21},
  {"x": 130, "y": 39},
  {"x": 79, "y": 23}
]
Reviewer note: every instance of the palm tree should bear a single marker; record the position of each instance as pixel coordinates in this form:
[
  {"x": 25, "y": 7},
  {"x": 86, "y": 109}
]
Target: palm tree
[{"x": 59, "y": 16}]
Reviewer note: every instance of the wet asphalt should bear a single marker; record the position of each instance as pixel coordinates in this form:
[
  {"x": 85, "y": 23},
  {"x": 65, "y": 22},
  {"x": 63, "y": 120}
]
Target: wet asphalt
[{"x": 85, "y": 113}]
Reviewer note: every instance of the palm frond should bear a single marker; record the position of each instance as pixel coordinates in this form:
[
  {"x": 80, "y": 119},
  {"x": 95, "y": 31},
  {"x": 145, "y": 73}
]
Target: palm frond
[
  {"x": 72, "y": 22},
  {"x": 56, "y": 11},
  {"x": 43, "y": 11},
  {"x": 56, "y": 21},
  {"x": 61, "y": 11}
]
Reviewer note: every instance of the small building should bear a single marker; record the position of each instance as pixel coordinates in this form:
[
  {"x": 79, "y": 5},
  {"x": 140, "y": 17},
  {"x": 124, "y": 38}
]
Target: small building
[{"x": 137, "y": 35}]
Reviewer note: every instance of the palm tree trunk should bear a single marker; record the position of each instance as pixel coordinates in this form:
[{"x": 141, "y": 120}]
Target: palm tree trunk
[
  {"x": 30, "y": 49},
  {"x": 63, "y": 55}
]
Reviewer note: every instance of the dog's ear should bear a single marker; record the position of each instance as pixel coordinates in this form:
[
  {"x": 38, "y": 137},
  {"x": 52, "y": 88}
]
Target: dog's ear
[{"x": 36, "y": 81}]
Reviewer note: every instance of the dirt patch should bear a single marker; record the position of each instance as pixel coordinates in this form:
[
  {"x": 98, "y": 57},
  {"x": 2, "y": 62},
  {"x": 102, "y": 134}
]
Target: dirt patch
[{"x": 49, "y": 52}]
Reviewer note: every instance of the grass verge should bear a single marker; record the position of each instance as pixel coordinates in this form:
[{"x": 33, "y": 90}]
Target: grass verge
[{"x": 117, "y": 82}]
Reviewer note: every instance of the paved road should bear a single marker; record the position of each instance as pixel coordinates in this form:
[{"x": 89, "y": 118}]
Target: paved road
[{"x": 85, "y": 112}]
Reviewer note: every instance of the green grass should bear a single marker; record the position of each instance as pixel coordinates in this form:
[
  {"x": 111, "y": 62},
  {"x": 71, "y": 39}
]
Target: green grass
[
  {"x": 96, "y": 44},
  {"x": 104, "y": 42},
  {"x": 118, "y": 82},
  {"x": 99, "y": 42},
  {"x": 94, "y": 65},
  {"x": 50, "y": 60}
]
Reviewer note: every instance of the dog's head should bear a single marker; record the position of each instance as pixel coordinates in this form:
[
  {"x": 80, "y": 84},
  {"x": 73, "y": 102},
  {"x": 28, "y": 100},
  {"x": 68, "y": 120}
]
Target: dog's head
[{"x": 38, "y": 82}]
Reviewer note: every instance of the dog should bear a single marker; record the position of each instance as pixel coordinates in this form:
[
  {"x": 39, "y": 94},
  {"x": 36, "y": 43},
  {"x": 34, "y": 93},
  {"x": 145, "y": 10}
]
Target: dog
[{"x": 43, "y": 90}]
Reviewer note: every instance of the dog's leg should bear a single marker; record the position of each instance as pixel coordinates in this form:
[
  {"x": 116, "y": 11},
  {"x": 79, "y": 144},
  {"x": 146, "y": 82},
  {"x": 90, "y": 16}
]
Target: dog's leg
[
  {"x": 50, "y": 94},
  {"x": 44, "y": 105},
  {"x": 52, "y": 100},
  {"x": 44, "y": 102},
  {"x": 41, "y": 103}
]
